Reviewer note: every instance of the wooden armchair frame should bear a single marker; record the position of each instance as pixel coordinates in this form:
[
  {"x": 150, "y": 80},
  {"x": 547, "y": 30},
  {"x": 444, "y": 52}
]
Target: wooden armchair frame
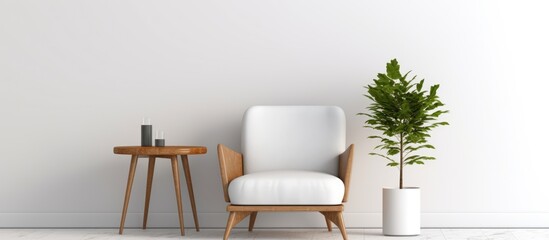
[{"x": 232, "y": 166}]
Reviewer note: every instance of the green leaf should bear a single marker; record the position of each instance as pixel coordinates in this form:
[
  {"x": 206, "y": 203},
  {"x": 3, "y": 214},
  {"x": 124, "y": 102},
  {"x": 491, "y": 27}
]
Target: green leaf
[
  {"x": 392, "y": 164},
  {"x": 383, "y": 156},
  {"x": 393, "y": 151},
  {"x": 406, "y": 75},
  {"x": 411, "y": 148},
  {"x": 419, "y": 86},
  {"x": 417, "y": 157},
  {"x": 393, "y": 69},
  {"x": 433, "y": 90},
  {"x": 414, "y": 162}
]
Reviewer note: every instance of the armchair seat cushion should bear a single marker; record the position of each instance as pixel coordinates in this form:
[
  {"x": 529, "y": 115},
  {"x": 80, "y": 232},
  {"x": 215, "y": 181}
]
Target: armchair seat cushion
[{"x": 286, "y": 187}]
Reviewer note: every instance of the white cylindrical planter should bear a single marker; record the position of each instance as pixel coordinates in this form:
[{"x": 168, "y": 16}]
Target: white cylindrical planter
[{"x": 401, "y": 211}]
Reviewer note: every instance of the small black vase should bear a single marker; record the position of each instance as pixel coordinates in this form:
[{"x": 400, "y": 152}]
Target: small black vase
[{"x": 146, "y": 135}]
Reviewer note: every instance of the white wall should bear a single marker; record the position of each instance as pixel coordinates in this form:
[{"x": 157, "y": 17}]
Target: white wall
[{"x": 76, "y": 77}]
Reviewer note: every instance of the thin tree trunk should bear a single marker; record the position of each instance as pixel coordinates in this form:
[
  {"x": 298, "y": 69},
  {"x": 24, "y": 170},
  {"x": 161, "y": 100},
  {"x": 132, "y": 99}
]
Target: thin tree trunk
[{"x": 401, "y": 160}]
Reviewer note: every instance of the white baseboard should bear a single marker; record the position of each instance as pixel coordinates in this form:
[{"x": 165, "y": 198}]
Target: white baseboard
[{"x": 269, "y": 220}]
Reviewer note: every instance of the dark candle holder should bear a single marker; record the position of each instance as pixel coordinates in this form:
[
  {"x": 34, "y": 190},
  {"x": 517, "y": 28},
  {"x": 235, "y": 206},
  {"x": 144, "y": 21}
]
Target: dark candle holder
[
  {"x": 146, "y": 135},
  {"x": 159, "y": 143}
]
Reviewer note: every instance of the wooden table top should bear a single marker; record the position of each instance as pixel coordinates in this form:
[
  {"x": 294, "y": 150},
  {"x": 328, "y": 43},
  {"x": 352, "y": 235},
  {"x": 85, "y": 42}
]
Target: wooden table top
[{"x": 167, "y": 150}]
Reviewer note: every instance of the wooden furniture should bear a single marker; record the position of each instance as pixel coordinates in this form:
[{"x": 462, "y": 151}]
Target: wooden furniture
[
  {"x": 170, "y": 152},
  {"x": 233, "y": 164}
]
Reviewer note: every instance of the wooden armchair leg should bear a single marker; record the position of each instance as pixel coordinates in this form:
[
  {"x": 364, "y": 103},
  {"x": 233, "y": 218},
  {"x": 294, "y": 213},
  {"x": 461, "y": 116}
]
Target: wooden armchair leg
[
  {"x": 337, "y": 219},
  {"x": 252, "y": 221},
  {"x": 328, "y": 224},
  {"x": 234, "y": 218}
]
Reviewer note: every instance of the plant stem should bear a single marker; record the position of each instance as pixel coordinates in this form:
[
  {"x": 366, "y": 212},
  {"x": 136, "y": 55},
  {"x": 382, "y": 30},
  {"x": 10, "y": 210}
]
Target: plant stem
[{"x": 401, "y": 159}]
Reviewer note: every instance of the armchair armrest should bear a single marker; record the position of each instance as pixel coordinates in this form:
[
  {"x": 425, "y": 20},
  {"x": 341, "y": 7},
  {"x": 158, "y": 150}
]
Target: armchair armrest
[
  {"x": 231, "y": 166},
  {"x": 345, "y": 166}
]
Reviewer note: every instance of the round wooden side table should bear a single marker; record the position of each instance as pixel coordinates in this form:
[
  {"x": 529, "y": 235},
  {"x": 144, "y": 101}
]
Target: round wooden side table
[{"x": 152, "y": 153}]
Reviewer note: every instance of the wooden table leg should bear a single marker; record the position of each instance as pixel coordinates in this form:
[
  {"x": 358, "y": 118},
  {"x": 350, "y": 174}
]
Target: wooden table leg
[
  {"x": 152, "y": 160},
  {"x": 175, "y": 170},
  {"x": 187, "y": 171},
  {"x": 133, "y": 165},
  {"x": 328, "y": 224}
]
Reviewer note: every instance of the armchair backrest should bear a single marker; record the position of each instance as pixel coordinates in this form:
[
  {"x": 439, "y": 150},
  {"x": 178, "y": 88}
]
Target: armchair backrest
[{"x": 293, "y": 138}]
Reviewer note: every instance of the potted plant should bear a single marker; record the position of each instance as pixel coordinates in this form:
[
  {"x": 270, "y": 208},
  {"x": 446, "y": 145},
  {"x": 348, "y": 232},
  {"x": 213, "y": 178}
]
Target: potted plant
[{"x": 404, "y": 113}]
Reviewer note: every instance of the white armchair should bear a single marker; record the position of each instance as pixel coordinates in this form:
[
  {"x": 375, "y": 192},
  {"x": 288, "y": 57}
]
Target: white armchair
[{"x": 294, "y": 159}]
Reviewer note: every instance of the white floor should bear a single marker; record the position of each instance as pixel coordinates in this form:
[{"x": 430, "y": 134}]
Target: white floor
[{"x": 431, "y": 234}]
